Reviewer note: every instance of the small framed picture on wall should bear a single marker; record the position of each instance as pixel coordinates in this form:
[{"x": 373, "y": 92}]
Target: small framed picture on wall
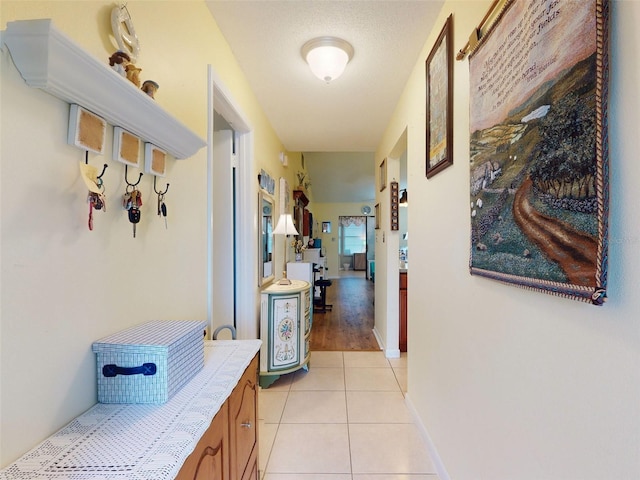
[{"x": 382, "y": 174}]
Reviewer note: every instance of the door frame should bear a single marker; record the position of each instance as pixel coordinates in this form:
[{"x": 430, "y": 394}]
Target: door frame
[{"x": 247, "y": 306}]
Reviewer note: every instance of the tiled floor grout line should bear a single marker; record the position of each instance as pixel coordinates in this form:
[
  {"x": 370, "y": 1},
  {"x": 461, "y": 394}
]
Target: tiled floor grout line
[
  {"x": 346, "y": 407},
  {"x": 266, "y": 465},
  {"x": 355, "y": 365}
]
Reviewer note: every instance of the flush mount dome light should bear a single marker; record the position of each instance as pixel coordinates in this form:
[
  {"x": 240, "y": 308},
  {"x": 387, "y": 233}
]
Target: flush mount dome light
[{"x": 327, "y": 56}]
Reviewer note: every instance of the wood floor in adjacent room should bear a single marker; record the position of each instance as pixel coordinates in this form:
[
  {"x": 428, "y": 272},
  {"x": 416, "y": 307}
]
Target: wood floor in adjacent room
[{"x": 349, "y": 324}]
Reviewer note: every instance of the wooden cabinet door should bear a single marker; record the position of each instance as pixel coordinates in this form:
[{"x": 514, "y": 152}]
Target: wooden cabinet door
[
  {"x": 252, "y": 469},
  {"x": 243, "y": 417},
  {"x": 210, "y": 459}
]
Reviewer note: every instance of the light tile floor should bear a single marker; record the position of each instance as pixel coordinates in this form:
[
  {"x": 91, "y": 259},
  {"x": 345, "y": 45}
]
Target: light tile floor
[{"x": 345, "y": 419}]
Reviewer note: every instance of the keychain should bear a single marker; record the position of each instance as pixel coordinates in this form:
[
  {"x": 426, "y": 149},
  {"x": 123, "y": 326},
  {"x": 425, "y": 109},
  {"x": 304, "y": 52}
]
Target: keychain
[
  {"x": 96, "y": 197},
  {"x": 96, "y": 201},
  {"x": 162, "y": 207},
  {"x": 132, "y": 201}
]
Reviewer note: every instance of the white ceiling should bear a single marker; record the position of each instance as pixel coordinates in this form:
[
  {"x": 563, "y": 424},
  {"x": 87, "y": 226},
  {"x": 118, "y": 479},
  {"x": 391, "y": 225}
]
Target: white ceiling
[{"x": 347, "y": 115}]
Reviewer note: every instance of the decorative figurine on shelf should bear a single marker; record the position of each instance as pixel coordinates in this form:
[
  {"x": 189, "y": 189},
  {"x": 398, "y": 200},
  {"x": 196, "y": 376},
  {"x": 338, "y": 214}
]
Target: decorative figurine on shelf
[
  {"x": 133, "y": 74},
  {"x": 299, "y": 247},
  {"x": 150, "y": 88},
  {"x": 119, "y": 61}
]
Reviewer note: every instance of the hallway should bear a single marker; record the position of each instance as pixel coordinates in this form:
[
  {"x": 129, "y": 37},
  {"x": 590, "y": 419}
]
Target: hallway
[
  {"x": 345, "y": 419},
  {"x": 349, "y": 324}
]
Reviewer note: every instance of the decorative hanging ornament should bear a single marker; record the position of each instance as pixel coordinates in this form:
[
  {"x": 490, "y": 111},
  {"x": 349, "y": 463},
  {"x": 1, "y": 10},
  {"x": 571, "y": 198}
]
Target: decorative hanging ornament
[{"x": 124, "y": 32}]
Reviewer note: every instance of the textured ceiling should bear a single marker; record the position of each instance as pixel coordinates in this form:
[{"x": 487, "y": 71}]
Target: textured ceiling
[{"x": 308, "y": 115}]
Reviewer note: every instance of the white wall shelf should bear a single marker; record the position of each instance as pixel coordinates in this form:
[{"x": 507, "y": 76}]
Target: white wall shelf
[{"x": 48, "y": 59}]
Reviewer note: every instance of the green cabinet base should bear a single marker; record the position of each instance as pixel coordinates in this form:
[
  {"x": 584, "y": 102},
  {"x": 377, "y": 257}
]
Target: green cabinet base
[{"x": 267, "y": 379}]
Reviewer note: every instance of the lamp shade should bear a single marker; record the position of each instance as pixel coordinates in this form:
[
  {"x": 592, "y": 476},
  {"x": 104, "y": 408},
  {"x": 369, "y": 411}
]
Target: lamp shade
[
  {"x": 285, "y": 226},
  {"x": 327, "y": 56}
]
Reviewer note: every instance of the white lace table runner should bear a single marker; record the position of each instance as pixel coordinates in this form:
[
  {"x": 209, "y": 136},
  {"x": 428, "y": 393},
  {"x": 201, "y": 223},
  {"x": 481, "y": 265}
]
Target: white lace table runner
[{"x": 140, "y": 442}]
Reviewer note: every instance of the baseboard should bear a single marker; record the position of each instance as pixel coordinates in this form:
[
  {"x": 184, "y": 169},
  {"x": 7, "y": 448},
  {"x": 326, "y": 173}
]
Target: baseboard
[
  {"x": 378, "y": 338},
  {"x": 433, "y": 452},
  {"x": 389, "y": 353},
  {"x": 392, "y": 353}
]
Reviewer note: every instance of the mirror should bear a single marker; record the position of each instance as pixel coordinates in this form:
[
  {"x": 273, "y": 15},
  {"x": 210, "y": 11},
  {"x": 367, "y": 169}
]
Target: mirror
[{"x": 265, "y": 239}]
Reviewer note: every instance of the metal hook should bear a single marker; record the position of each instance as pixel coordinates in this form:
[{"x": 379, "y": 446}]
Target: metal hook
[
  {"x": 127, "y": 180},
  {"x": 104, "y": 169},
  {"x": 154, "y": 187}
]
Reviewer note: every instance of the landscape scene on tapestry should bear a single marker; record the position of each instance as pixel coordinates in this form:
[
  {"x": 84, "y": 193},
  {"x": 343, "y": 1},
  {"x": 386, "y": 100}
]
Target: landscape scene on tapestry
[{"x": 534, "y": 173}]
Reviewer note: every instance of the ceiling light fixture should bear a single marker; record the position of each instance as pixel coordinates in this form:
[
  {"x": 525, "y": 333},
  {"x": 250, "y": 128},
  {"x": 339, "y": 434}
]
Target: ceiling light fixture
[{"x": 327, "y": 56}]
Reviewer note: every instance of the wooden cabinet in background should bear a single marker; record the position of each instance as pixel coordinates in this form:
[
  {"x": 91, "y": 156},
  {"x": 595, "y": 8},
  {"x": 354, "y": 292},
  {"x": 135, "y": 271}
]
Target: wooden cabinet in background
[
  {"x": 403, "y": 311},
  {"x": 228, "y": 450}
]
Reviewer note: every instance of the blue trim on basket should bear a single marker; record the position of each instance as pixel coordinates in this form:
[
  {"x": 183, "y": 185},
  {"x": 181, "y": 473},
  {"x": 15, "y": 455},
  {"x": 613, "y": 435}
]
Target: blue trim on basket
[{"x": 112, "y": 370}]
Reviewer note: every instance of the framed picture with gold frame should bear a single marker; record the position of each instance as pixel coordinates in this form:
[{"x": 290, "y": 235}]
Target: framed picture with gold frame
[{"x": 378, "y": 214}]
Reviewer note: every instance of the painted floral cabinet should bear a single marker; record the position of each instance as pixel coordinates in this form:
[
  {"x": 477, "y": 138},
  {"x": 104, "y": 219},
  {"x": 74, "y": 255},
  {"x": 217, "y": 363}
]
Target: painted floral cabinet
[{"x": 285, "y": 328}]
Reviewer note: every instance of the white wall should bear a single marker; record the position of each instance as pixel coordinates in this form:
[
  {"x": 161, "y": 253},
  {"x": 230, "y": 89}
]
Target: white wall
[{"x": 512, "y": 384}]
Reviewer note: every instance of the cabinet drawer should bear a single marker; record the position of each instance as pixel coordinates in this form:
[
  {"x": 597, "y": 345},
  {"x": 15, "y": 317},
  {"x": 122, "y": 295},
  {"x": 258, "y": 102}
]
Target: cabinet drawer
[{"x": 243, "y": 418}]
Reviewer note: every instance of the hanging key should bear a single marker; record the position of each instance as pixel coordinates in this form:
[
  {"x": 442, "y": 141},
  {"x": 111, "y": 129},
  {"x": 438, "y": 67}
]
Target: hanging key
[
  {"x": 134, "y": 218},
  {"x": 126, "y": 201},
  {"x": 163, "y": 209},
  {"x": 134, "y": 198},
  {"x": 160, "y": 201}
]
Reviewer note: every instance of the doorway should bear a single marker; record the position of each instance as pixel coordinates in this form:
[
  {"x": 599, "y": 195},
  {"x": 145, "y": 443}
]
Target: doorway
[
  {"x": 352, "y": 246},
  {"x": 231, "y": 210},
  {"x": 387, "y": 276}
]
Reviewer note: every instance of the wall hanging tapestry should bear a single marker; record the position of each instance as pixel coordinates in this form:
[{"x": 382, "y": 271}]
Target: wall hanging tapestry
[{"x": 538, "y": 148}]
